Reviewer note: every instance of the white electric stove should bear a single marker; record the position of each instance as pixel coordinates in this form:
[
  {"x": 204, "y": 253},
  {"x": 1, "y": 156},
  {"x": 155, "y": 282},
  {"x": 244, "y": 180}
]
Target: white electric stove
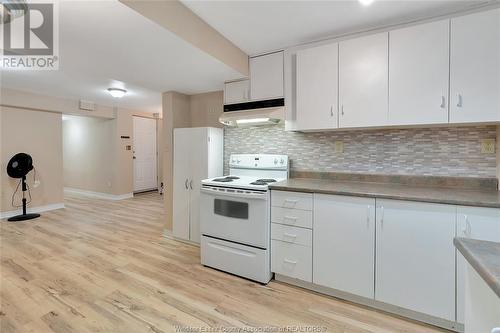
[{"x": 235, "y": 216}]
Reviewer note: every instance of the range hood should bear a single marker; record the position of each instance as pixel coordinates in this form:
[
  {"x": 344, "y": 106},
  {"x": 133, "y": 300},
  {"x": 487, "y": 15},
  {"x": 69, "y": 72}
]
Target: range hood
[
  {"x": 255, "y": 117},
  {"x": 255, "y": 113}
]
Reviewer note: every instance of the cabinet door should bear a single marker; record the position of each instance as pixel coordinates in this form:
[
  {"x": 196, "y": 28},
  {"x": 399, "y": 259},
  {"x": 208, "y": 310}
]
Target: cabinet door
[
  {"x": 181, "y": 177},
  {"x": 317, "y": 88},
  {"x": 418, "y": 74},
  {"x": 415, "y": 257},
  {"x": 236, "y": 92},
  {"x": 478, "y": 223},
  {"x": 266, "y": 76},
  {"x": 475, "y": 68},
  {"x": 344, "y": 243},
  {"x": 198, "y": 151},
  {"x": 363, "y": 80}
]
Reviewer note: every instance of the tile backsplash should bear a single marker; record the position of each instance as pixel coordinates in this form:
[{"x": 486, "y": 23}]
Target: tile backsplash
[{"x": 447, "y": 151}]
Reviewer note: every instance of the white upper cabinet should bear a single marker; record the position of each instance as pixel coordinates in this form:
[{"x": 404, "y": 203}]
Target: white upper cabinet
[
  {"x": 415, "y": 265},
  {"x": 475, "y": 68},
  {"x": 344, "y": 243},
  {"x": 419, "y": 74},
  {"x": 363, "y": 80},
  {"x": 317, "y": 88},
  {"x": 236, "y": 92},
  {"x": 266, "y": 76}
]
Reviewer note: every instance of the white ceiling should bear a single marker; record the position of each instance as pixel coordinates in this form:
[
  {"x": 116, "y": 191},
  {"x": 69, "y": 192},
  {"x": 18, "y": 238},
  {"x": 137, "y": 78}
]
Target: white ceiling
[
  {"x": 261, "y": 26},
  {"x": 105, "y": 43}
]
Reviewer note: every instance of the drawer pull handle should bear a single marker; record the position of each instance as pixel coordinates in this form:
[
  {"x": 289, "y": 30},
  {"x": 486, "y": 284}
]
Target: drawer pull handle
[
  {"x": 286, "y": 234},
  {"x": 288, "y": 261},
  {"x": 290, "y": 218},
  {"x": 291, "y": 202}
]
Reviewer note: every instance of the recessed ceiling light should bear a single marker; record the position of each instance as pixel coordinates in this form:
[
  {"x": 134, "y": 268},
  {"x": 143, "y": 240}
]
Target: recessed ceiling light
[
  {"x": 366, "y": 2},
  {"x": 117, "y": 92}
]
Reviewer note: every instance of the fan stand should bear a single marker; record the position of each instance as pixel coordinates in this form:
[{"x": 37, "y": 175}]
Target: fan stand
[{"x": 23, "y": 216}]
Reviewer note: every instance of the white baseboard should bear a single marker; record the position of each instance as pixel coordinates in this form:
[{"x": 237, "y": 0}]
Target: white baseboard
[
  {"x": 39, "y": 209},
  {"x": 99, "y": 195}
]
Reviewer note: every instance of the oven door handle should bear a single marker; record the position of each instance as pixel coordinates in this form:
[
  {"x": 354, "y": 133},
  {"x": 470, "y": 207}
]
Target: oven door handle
[{"x": 252, "y": 195}]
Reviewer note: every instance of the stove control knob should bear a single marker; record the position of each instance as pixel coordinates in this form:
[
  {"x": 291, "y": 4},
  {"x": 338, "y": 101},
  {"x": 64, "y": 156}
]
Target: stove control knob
[
  {"x": 233, "y": 160},
  {"x": 282, "y": 161},
  {"x": 238, "y": 161},
  {"x": 275, "y": 161}
]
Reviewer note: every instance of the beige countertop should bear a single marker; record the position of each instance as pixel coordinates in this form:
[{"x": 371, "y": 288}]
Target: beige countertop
[
  {"x": 453, "y": 196},
  {"x": 484, "y": 257}
]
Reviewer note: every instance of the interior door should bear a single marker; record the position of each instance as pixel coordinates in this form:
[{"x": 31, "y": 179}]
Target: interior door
[
  {"x": 364, "y": 81},
  {"x": 344, "y": 227},
  {"x": 145, "y": 153},
  {"x": 475, "y": 67},
  {"x": 317, "y": 88},
  {"x": 198, "y": 154},
  {"x": 477, "y": 223},
  {"x": 181, "y": 177},
  {"x": 419, "y": 74}
]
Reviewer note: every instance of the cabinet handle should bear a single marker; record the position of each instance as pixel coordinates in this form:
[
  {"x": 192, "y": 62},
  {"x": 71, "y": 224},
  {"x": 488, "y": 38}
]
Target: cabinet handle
[
  {"x": 290, "y": 202},
  {"x": 186, "y": 184},
  {"x": 286, "y": 234},
  {"x": 331, "y": 110},
  {"x": 381, "y": 216},
  {"x": 288, "y": 261},
  {"x": 290, "y": 218},
  {"x": 191, "y": 184},
  {"x": 460, "y": 101},
  {"x": 468, "y": 227},
  {"x": 443, "y": 102},
  {"x": 368, "y": 216},
  {"x": 342, "y": 109}
]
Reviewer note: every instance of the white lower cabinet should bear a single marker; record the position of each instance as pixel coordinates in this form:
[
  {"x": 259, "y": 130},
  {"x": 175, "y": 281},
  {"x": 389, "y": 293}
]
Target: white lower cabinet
[
  {"x": 344, "y": 243},
  {"x": 415, "y": 257},
  {"x": 478, "y": 223},
  {"x": 291, "y": 260}
]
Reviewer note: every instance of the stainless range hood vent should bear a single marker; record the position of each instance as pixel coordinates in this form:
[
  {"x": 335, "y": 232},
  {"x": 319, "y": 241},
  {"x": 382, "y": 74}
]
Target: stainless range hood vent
[{"x": 258, "y": 117}]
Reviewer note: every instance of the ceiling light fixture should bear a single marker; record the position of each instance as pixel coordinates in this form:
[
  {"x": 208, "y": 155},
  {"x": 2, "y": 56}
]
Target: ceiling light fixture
[
  {"x": 366, "y": 2},
  {"x": 117, "y": 92}
]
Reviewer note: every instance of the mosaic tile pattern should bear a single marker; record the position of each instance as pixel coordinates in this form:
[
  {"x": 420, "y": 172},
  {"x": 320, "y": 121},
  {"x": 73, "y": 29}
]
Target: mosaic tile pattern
[{"x": 451, "y": 151}]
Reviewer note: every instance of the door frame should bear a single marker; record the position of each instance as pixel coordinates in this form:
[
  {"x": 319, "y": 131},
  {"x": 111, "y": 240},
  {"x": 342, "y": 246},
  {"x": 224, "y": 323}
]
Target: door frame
[{"x": 157, "y": 187}]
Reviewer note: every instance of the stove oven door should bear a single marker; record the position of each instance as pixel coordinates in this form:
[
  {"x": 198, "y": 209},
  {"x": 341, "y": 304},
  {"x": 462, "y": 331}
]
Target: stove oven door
[{"x": 237, "y": 215}]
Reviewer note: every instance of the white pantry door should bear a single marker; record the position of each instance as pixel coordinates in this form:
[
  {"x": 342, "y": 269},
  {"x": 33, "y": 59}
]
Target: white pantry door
[{"x": 145, "y": 163}]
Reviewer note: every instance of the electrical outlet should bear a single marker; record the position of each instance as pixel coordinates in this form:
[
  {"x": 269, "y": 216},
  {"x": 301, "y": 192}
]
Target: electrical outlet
[
  {"x": 488, "y": 146},
  {"x": 339, "y": 146}
]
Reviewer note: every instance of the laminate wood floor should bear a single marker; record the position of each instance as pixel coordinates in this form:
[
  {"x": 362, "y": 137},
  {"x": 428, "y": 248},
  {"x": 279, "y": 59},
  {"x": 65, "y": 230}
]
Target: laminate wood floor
[{"x": 103, "y": 266}]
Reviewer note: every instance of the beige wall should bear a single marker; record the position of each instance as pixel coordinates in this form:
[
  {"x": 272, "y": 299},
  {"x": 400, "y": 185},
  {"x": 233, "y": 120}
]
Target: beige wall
[
  {"x": 176, "y": 114},
  {"x": 88, "y": 153},
  {"x": 41, "y": 137},
  {"x": 205, "y": 109},
  {"x": 179, "y": 111},
  {"x": 109, "y": 166}
]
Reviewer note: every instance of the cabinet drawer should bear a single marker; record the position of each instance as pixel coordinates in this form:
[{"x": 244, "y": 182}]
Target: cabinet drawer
[
  {"x": 293, "y": 217},
  {"x": 292, "y": 235},
  {"x": 291, "y": 260},
  {"x": 294, "y": 200}
]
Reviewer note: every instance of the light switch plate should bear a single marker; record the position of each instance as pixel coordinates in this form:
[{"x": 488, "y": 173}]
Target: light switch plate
[
  {"x": 339, "y": 146},
  {"x": 488, "y": 146}
]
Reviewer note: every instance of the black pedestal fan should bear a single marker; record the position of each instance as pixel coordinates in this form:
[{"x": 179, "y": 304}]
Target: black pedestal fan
[{"x": 19, "y": 166}]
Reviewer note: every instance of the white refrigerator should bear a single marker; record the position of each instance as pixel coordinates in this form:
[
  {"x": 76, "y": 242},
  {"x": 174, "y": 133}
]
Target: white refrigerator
[{"x": 198, "y": 154}]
